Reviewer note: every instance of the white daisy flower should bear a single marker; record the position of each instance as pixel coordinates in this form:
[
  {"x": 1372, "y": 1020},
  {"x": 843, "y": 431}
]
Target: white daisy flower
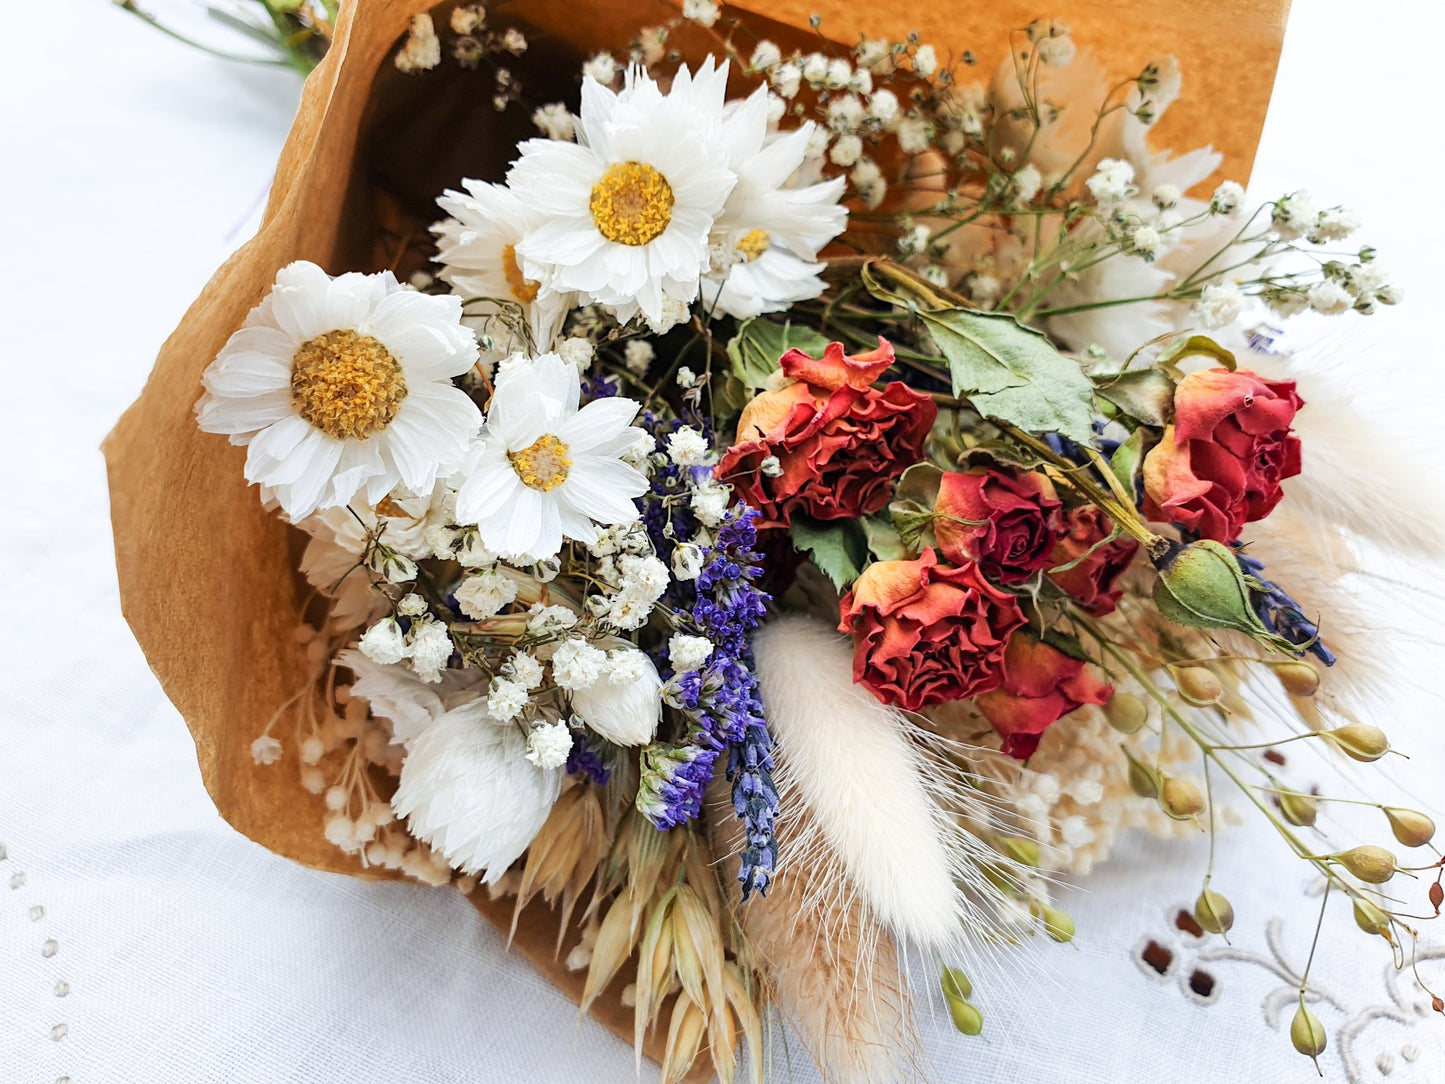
[
  {"x": 544, "y": 469},
  {"x": 341, "y": 386},
  {"x": 626, "y": 210},
  {"x": 477, "y": 248},
  {"x": 765, "y": 244}
]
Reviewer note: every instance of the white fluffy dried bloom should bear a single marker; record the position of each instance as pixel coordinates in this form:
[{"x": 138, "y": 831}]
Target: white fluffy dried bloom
[
  {"x": 1219, "y": 305},
  {"x": 577, "y": 665},
  {"x": 688, "y": 652},
  {"x": 1165, "y": 196},
  {"x": 1333, "y": 224},
  {"x": 787, "y": 79},
  {"x": 550, "y": 619},
  {"x": 1058, "y": 52},
  {"x": 576, "y": 351},
  {"x": 524, "y": 669},
  {"x": 1227, "y": 198},
  {"x": 601, "y": 67},
  {"x": 883, "y": 107},
  {"x": 422, "y": 49},
  {"x": 506, "y": 699},
  {"x": 925, "y": 60},
  {"x": 384, "y": 642},
  {"x": 1026, "y": 184},
  {"x": 1293, "y": 215},
  {"x": 485, "y": 594},
  {"x": 626, "y": 706},
  {"x": 1330, "y": 298},
  {"x": 265, "y": 750},
  {"x": 687, "y": 447},
  {"x": 430, "y": 646},
  {"x": 637, "y": 356},
  {"x": 548, "y": 744},
  {"x": 766, "y": 56},
  {"x": 686, "y": 561},
  {"x": 815, "y": 68},
  {"x": 702, "y": 12},
  {"x": 868, "y": 182},
  {"x": 846, "y": 150},
  {"x": 468, "y": 790},
  {"x": 555, "y": 122},
  {"x": 1112, "y": 183}
]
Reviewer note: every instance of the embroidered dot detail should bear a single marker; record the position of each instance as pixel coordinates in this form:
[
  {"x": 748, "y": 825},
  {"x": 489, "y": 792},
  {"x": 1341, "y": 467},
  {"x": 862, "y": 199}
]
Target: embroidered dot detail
[
  {"x": 1188, "y": 923},
  {"x": 1157, "y": 957},
  {"x": 17, "y": 880},
  {"x": 59, "y": 1031},
  {"x": 4, "y": 854},
  {"x": 50, "y": 948},
  {"x": 61, "y": 988},
  {"x": 37, "y": 913}
]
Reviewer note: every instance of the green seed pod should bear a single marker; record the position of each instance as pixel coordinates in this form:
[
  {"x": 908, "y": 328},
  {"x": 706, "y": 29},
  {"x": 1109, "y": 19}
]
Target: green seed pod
[
  {"x": 1370, "y": 918},
  {"x": 1214, "y": 912},
  {"x": 1197, "y": 685},
  {"x": 1371, "y": 864},
  {"x": 1299, "y": 809},
  {"x": 1307, "y": 1033},
  {"x": 1126, "y": 714},
  {"x": 956, "y": 986},
  {"x": 1298, "y": 678},
  {"x": 1143, "y": 779},
  {"x": 966, "y": 1018},
  {"x": 1411, "y": 828},
  {"x": 1180, "y": 798},
  {"x": 1360, "y": 741},
  {"x": 1057, "y": 924},
  {"x": 1020, "y": 849}
]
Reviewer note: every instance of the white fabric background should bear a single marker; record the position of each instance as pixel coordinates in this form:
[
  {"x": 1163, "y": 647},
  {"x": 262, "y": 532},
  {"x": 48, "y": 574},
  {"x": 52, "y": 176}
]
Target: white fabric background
[{"x": 130, "y": 167}]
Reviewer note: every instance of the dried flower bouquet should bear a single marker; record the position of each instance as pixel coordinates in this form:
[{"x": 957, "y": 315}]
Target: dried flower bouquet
[{"x": 804, "y": 506}]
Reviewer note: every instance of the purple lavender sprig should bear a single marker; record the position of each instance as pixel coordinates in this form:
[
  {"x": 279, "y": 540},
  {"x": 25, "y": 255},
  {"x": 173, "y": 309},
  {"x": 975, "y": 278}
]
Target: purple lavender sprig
[
  {"x": 1280, "y": 613},
  {"x": 722, "y": 705}
]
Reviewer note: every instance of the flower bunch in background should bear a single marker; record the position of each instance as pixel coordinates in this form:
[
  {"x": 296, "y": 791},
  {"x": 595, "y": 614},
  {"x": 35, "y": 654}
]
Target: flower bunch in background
[{"x": 801, "y": 504}]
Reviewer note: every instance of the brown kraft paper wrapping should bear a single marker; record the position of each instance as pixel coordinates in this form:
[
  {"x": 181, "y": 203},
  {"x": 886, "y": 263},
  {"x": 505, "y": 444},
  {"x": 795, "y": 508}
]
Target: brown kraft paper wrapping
[{"x": 370, "y": 147}]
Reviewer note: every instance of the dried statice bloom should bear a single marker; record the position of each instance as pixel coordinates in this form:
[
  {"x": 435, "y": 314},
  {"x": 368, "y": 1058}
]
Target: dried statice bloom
[{"x": 422, "y": 49}]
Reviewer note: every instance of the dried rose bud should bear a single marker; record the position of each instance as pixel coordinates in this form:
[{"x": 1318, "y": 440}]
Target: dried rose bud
[
  {"x": 1411, "y": 828},
  {"x": 1180, "y": 798},
  {"x": 1214, "y": 912},
  {"x": 1197, "y": 685},
  {"x": 1369, "y": 863},
  {"x": 1370, "y": 918},
  {"x": 1126, "y": 714},
  {"x": 1298, "y": 678},
  {"x": 1307, "y": 1033},
  {"x": 1360, "y": 741},
  {"x": 1299, "y": 809}
]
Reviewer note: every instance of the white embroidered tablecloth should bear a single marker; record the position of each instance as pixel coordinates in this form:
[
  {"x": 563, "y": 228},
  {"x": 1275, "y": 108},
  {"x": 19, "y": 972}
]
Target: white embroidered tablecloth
[{"x": 141, "y": 939}]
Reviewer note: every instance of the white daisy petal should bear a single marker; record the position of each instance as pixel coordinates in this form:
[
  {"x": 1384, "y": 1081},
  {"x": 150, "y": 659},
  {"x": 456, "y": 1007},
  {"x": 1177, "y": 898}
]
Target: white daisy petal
[
  {"x": 287, "y": 384},
  {"x": 597, "y": 422},
  {"x": 604, "y": 489}
]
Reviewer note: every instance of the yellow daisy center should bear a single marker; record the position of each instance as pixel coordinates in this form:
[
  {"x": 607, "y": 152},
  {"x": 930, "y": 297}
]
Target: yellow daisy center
[
  {"x": 523, "y": 288},
  {"x": 754, "y": 244},
  {"x": 346, "y": 384},
  {"x": 543, "y": 465},
  {"x": 631, "y": 204}
]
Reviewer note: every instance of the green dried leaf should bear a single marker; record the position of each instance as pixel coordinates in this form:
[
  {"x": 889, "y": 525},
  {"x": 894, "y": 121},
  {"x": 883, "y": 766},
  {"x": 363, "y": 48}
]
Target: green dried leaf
[
  {"x": 839, "y": 549},
  {"x": 1146, "y": 395},
  {"x": 1196, "y": 346},
  {"x": 1007, "y": 371},
  {"x": 885, "y": 541},
  {"x": 1128, "y": 460},
  {"x": 760, "y": 343}
]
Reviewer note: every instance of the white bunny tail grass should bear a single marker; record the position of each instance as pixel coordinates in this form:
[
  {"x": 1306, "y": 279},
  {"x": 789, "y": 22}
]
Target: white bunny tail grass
[
  {"x": 878, "y": 818},
  {"x": 832, "y": 969},
  {"x": 1361, "y": 472}
]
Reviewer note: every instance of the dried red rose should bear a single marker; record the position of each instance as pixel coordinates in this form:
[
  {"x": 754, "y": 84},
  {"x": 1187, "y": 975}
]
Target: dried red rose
[
  {"x": 1040, "y": 686},
  {"x": 840, "y": 443},
  {"x": 1007, "y": 523},
  {"x": 1220, "y": 464},
  {"x": 925, "y": 633},
  {"x": 1095, "y": 568}
]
